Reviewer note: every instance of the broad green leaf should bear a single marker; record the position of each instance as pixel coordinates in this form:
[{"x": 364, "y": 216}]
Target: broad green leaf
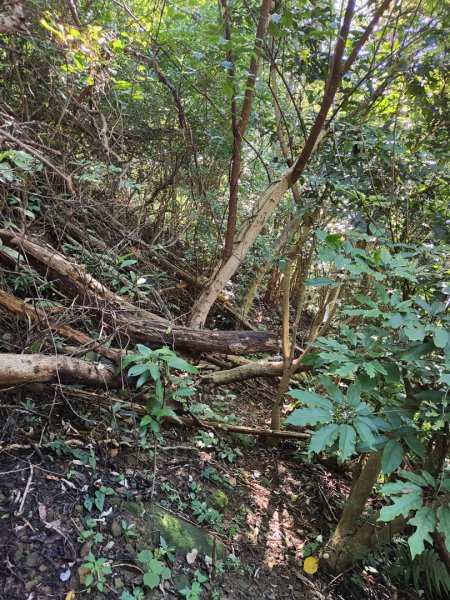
[
  {"x": 333, "y": 344},
  {"x": 178, "y": 363},
  {"x": 308, "y": 416},
  {"x": 151, "y": 580},
  {"x": 347, "y": 439},
  {"x": 156, "y": 566},
  {"x": 146, "y": 352},
  {"x": 424, "y": 521},
  {"x": 415, "y": 445},
  {"x": 414, "y": 332},
  {"x": 137, "y": 370},
  {"x": 364, "y": 432},
  {"x": 392, "y": 373},
  {"x": 431, "y": 481},
  {"x": 353, "y": 394},
  {"x": 416, "y": 351},
  {"x": 357, "y": 312},
  {"x": 443, "y": 515},
  {"x": 403, "y": 505},
  {"x": 143, "y": 379},
  {"x": 325, "y": 436},
  {"x": 321, "y": 281},
  {"x": 332, "y": 389},
  {"x": 166, "y": 573},
  {"x": 440, "y": 337},
  {"x": 392, "y": 456},
  {"x": 145, "y": 556},
  {"x": 311, "y": 399},
  {"x": 414, "y": 477},
  {"x": 399, "y": 487},
  {"x": 346, "y": 370}
]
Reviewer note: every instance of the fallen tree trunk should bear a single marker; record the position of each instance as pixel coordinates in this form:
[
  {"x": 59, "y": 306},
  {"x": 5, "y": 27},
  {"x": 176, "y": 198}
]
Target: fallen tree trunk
[
  {"x": 22, "y": 308},
  {"x": 19, "y": 369},
  {"x": 125, "y": 319},
  {"x": 262, "y": 368}
]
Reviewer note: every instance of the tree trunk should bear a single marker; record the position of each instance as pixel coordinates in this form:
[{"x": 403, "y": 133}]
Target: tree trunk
[
  {"x": 18, "y": 369},
  {"x": 274, "y": 194},
  {"x": 127, "y": 320}
]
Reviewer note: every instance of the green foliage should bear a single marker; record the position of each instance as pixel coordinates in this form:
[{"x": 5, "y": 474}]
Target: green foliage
[
  {"x": 424, "y": 571},
  {"x": 155, "y": 571},
  {"x": 345, "y": 418},
  {"x": 158, "y": 365},
  {"x": 96, "y": 571},
  {"x": 193, "y": 592}
]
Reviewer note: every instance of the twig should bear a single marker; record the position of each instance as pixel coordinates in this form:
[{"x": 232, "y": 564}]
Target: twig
[
  {"x": 40, "y": 157},
  {"x": 25, "y": 493}
]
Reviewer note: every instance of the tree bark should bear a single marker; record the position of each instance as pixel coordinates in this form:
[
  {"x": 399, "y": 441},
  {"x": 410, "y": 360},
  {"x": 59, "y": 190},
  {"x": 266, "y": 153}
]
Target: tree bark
[
  {"x": 18, "y": 369},
  {"x": 125, "y": 319}
]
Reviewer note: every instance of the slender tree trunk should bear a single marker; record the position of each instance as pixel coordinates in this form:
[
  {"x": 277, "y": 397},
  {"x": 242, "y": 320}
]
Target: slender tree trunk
[{"x": 274, "y": 194}]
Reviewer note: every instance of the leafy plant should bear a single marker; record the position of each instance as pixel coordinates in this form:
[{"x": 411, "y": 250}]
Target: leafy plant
[
  {"x": 344, "y": 419},
  {"x": 410, "y": 500},
  {"x": 155, "y": 570},
  {"x": 158, "y": 365},
  {"x": 193, "y": 592},
  {"x": 97, "y": 570}
]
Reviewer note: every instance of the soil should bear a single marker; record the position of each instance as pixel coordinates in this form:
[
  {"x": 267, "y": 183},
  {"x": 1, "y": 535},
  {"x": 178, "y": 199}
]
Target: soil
[{"x": 76, "y": 486}]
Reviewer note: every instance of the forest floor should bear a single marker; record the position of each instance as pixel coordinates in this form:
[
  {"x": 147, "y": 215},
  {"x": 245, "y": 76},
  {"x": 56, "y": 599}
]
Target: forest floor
[{"x": 80, "y": 500}]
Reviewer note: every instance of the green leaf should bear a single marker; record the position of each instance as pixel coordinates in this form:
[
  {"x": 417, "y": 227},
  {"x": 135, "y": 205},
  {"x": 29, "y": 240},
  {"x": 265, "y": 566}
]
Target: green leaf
[
  {"x": 178, "y": 363},
  {"x": 145, "y": 556},
  {"x": 325, "y": 436},
  {"x": 353, "y": 394},
  {"x": 143, "y": 379},
  {"x": 403, "y": 505},
  {"x": 138, "y": 370},
  {"x": 347, "y": 439},
  {"x": 332, "y": 389},
  {"x": 156, "y": 566},
  {"x": 414, "y": 332},
  {"x": 399, "y": 487},
  {"x": 440, "y": 337},
  {"x": 424, "y": 521},
  {"x": 321, "y": 281},
  {"x": 166, "y": 573},
  {"x": 416, "y": 351},
  {"x": 415, "y": 445},
  {"x": 346, "y": 370},
  {"x": 392, "y": 373},
  {"x": 392, "y": 456},
  {"x": 151, "y": 580},
  {"x": 308, "y": 416},
  {"x": 311, "y": 399},
  {"x": 443, "y": 515},
  {"x": 144, "y": 351},
  {"x": 364, "y": 432},
  {"x": 414, "y": 477}
]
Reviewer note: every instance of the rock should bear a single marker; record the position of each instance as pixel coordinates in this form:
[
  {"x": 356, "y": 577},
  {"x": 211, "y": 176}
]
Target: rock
[
  {"x": 19, "y": 552},
  {"x": 32, "y": 559},
  {"x": 266, "y": 482},
  {"x": 43, "y": 568},
  {"x": 181, "y": 581},
  {"x": 30, "y": 584},
  {"x": 130, "y": 549},
  {"x": 116, "y": 529},
  {"x": 78, "y": 508},
  {"x": 184, "y": 536},
  {"x": 136, "y": 509},
  {"x": 118, "y": 582},
  {"x": 85, "y": 549},
  {"x": 219, "y": 500}
]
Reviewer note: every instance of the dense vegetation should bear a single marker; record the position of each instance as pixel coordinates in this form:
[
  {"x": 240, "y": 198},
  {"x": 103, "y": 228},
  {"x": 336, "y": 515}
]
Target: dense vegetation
[{"x": 250, "y": 168}]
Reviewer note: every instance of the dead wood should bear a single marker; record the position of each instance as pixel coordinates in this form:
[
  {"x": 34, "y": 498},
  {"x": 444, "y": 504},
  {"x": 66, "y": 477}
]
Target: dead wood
[
  {"x": 262, "y": 368},
  {"x": 18, "y": 369},
  {"x": 24, "y": 309},
  {"x": 128, "y": 321}
]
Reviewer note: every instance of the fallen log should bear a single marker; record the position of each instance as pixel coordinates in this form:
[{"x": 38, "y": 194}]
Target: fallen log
[
  {"x": 125, "y": 319},
  {"x": 262, "y": 368},
  {"x": 24, "y": 309},
  {"x": 19, "y": 369}
]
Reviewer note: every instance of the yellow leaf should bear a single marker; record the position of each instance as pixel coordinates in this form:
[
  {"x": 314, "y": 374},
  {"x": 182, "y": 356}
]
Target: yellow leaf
[
  {"x": 311, "y": 565},
  {"x": 70, "y": 595}
]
